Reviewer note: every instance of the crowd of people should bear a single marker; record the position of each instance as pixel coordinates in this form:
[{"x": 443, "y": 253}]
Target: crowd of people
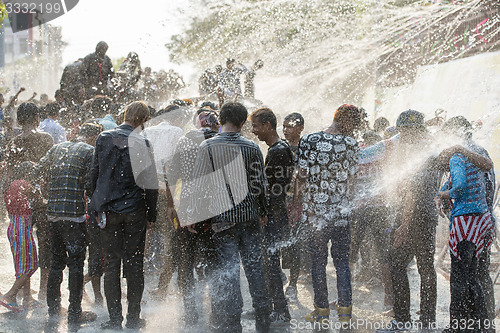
[
  {"x": 226, "y": 82},
  {"x": 101, "y": 177}
]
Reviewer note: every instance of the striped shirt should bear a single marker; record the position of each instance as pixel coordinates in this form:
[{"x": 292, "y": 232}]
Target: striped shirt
[
  {"x": 230, "y": 182},
  {"x": 466, "y": 187}
]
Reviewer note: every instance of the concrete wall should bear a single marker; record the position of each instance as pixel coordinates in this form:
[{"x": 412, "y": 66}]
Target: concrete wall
[{"x": 468, "y": 87}]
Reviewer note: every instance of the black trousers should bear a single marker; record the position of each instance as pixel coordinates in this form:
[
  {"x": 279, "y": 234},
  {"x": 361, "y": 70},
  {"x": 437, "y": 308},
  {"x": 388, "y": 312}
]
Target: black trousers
[
  {"x": 68, "y": 249},
  {"x": 468, "y": 311},
  {"x": 421, "y": 245},
  {"x": 95, "y": 247},
  {"x": 124, "y": 235},
  {"x": 194, "y": 248},
  {"x": 486, "y": 282}
]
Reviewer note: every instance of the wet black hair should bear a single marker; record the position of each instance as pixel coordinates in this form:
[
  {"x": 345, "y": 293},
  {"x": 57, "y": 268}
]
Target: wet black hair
[
  {"x": 234, "y": 113},
  {"x": 52, "y": 110},
  {"x": 209, "y": 104},
  {"x": 380, "y": 124},
  {"x": 457, "y": 123},
  {"x": 167, "y": 109},
  {"x": 27, "y": 113},
  {"x": 264, "y": 115},
  {"x": 100, "y": 106},
  {"x": 296, "y": 118},
  {"x": 91, "y": 128}
]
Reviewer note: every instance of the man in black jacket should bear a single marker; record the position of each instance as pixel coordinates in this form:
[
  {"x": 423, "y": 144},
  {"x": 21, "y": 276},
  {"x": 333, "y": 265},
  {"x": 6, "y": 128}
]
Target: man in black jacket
[
  {"x": 96, "y": 69},
  {"x": 125, "y": 190}
]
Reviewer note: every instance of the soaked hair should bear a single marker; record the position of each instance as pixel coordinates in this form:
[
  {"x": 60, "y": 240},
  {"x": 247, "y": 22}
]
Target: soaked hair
[
  {"x": 209, "y": 118},
  {"x": 100, "y": 106},
  {"x": 264, "y": 115},
  {"x": 348, "y": 114},
  {"x": 380, "y": 124},
  {"x": 52, "y": 110},
  {"x": 234, "y": 113},
  {"x": 136, "y": 113},
  {"x": 458, "y": 125},
  {"x": 296, "y": 118},
  {"x": 27, "y": 113},
  {"x": 102, "y": 45},
  {"x": 209, "y": 104},
  {"x": 91, "y": 128},
  {"x": 168, "y": 109}
]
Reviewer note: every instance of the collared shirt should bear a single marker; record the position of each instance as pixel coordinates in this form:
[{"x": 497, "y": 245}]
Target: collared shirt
[
  {"x": 163, "y": 138},
  {"x": 229, "y": 170},
  {"x": 66, "y": 167},
  {"x": 55, "y": 130}
]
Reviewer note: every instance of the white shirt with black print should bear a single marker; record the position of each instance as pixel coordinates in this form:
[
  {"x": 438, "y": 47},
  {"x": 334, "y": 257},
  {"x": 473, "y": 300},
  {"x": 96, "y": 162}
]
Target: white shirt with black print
[{"x": 330, "y": 160}]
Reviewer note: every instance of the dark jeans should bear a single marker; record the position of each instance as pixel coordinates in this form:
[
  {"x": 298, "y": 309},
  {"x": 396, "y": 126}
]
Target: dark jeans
[
  {"x": 273, "y": 234},
  {"x": 467, "y": 297},
  {"x": 421, "y": 245},
  {"x": 373, "y": 220},
  {"x": 124, "y": 234},
  {"x": 240, "y": 241},
  {"x": 95, "y": 261},
  {"x": 68, "y": 249},
  {"x": 483, "y": 272},
  {"x": 194, "y": 248},
  {"x": 318, "y": 247}
]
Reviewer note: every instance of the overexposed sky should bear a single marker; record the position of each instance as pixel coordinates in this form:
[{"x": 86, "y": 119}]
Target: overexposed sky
[{"x": 143, "y": 26}]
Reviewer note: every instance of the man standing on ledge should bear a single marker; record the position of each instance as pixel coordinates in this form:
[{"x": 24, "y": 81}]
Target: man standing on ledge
[
  {"x": 126, "y": 190},
  {"x": 96, "y": 69}
]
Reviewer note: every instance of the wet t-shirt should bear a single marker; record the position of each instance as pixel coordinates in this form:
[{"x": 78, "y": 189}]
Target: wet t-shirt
[
  {"x": 279, "y": 170},
  {"x": 330, "y": 160}
]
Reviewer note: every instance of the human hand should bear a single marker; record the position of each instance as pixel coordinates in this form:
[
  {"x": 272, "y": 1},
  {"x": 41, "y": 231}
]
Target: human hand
[
  {"x": 439, "y": 206},
  {"x": 172, "y": 215}
]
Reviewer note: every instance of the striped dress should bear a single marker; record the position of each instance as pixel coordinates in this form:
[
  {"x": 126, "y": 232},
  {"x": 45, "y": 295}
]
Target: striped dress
[{"x": 20, "y": 232}]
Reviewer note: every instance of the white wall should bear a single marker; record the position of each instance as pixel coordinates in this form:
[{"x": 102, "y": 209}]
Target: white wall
[{"x": 469, "y": 87}]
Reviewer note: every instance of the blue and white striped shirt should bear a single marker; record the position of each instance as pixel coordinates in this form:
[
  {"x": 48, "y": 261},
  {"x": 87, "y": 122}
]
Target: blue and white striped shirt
[{"x": 466, "y": 187}]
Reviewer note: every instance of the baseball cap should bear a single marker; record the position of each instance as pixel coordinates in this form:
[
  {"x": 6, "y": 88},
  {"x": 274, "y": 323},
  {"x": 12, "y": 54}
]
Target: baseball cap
[{"x": 410, "y": 118}]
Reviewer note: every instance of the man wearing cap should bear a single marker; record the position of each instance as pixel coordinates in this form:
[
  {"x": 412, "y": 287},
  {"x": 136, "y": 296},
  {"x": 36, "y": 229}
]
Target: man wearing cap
[
  {"x": 414, "y": 232},
  {"x": 459, "y": 128}
]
